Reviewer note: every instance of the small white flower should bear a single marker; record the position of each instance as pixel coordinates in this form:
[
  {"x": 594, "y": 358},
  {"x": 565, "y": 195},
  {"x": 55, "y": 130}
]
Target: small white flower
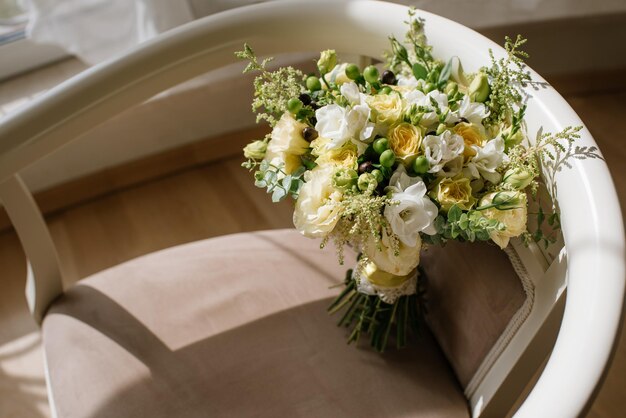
[
  {"x": 440, "y": 100},
  {"x": 409, "y": 82},
  {"x": 439, "y": 150},
  {"x": 473, "y": 112},
  {"x": 487, "y": 160},
  {"x": 352, "y": 93},
  {"x": 414, "y": 213}
]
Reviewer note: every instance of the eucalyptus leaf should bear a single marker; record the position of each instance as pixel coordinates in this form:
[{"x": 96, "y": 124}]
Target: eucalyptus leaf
[{"x": 278, "y": 194}]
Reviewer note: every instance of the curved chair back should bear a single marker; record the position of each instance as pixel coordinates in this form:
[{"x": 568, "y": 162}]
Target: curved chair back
[{"x": 592, "y": 261}]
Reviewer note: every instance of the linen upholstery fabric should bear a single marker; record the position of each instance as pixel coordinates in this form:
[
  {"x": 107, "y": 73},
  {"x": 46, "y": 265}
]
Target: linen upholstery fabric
[
  {"x": 473, "y": 292},
  {"x": 231, "y": 326}
]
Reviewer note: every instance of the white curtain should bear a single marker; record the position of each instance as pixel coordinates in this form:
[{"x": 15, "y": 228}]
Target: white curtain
[{"x": 96, "y": 30}]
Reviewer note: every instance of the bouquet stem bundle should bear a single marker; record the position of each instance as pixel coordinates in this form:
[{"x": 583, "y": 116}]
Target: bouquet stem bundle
[{"x": 369, "y": 315}]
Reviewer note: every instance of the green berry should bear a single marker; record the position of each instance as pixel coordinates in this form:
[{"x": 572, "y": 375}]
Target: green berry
[
  {"x": 370, "y": 73},
  {"x": 378, "y": 175},
  {"x": 387, "y": 158},
  {"x": 385, "y": 90},
  {"x": 352, "y": 72},
  {"x": 313, "y": 83},
  {"x": 420, "y": 165},
  {"x": 381, "y": 145},
  {"x": 294, "y": 105}
]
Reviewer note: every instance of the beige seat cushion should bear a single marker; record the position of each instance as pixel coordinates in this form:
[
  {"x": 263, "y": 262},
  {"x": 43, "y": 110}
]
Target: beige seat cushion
[
  {"x": 473, "y": 294},
  {"x": 233, "y": 326}
]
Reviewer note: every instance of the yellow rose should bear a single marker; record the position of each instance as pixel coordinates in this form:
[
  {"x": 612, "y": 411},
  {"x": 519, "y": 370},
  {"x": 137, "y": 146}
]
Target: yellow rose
[
  {"x": 345, "y": 156},
  {"x": 513, "y": 219},
  {"x": 317, "y": 208},
  {"x": 405, "y": 141},
  {"x": 386, "y": 259},
  {"x": 449, "y": 192},
  {"x": 472, "y": 135},
  {"x": 386, "y": 108},
  {"x": 287, "y": 144}
]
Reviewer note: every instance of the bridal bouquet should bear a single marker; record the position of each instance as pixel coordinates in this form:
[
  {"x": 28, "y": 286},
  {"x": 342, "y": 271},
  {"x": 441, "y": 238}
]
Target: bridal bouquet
[{"x": 390, "y": 158}]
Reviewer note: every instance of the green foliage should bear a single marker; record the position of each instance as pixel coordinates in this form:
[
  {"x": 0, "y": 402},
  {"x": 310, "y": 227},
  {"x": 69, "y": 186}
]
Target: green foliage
[
  {"x": 550, "y": 222},
  {"x": 419, "y": 59},
  {"x": 507, "y": 76},
  {"x": 272, "y": 89},
  {"x": 465, "y": 226},
  {"x": 277, "y": 182},
  {"x": 361, "y": 219},
  {"x": 545, "y": 150}
]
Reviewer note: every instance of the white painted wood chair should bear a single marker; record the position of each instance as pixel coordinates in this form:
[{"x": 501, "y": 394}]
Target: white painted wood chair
[{"x": 236, "y": 325}]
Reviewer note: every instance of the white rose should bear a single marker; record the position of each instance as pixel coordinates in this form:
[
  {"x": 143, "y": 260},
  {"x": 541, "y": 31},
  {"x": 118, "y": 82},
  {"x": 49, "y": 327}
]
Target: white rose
[
  {"x": 513, "y": 219},
  {"x": 385, "y": 259},
  {"x": 414, "y": 213},
  {"x": 317, "y": 208}
]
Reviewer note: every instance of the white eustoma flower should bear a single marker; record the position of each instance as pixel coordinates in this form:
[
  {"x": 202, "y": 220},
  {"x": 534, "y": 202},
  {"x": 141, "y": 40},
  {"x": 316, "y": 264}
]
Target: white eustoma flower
[
  {"x": 473, "y": 112},
  {"x": 442, "y": 149},
  {"x": 352, "y": 93},
  {"x": 487, "y": 160},
  {"x": 341, "y": 125},
  {"x": 452, "y": 167},
  {"x": 414, "y": 213}
]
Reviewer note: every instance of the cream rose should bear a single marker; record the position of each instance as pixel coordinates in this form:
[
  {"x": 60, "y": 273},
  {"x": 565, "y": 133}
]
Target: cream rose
[
  {"x": 473, "y": 135},
  {"x": 405, "y": 141},
  {"x": 386, "y": 259},
  {"x": 386, "y": 108},
  {"x": 317, "y": 208},
  {"x": 449, "y": 192},
  {"x": 513, "y": 219},
  {"x": 346, "y": 156}
]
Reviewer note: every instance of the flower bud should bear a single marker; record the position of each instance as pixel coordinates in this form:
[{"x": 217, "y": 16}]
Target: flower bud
[
  {"x": 511, "y": 140},
  {"x": 344, "y": 178},
  {"x": 451, "y": 88},
  {"x": 517, "y": 178},
  {"x": 479, "y": 88},
  {"x": 327, "y": 61},
  {"x": 367, "y": 181},
  {"x": 255, "y": 150},
  {"x": 399, "y": 50},
  {"x": 507, "y": 200}
]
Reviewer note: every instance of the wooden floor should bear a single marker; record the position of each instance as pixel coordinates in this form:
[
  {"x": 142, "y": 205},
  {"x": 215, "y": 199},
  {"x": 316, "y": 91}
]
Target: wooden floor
[{"x": 198, "y": 203}]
